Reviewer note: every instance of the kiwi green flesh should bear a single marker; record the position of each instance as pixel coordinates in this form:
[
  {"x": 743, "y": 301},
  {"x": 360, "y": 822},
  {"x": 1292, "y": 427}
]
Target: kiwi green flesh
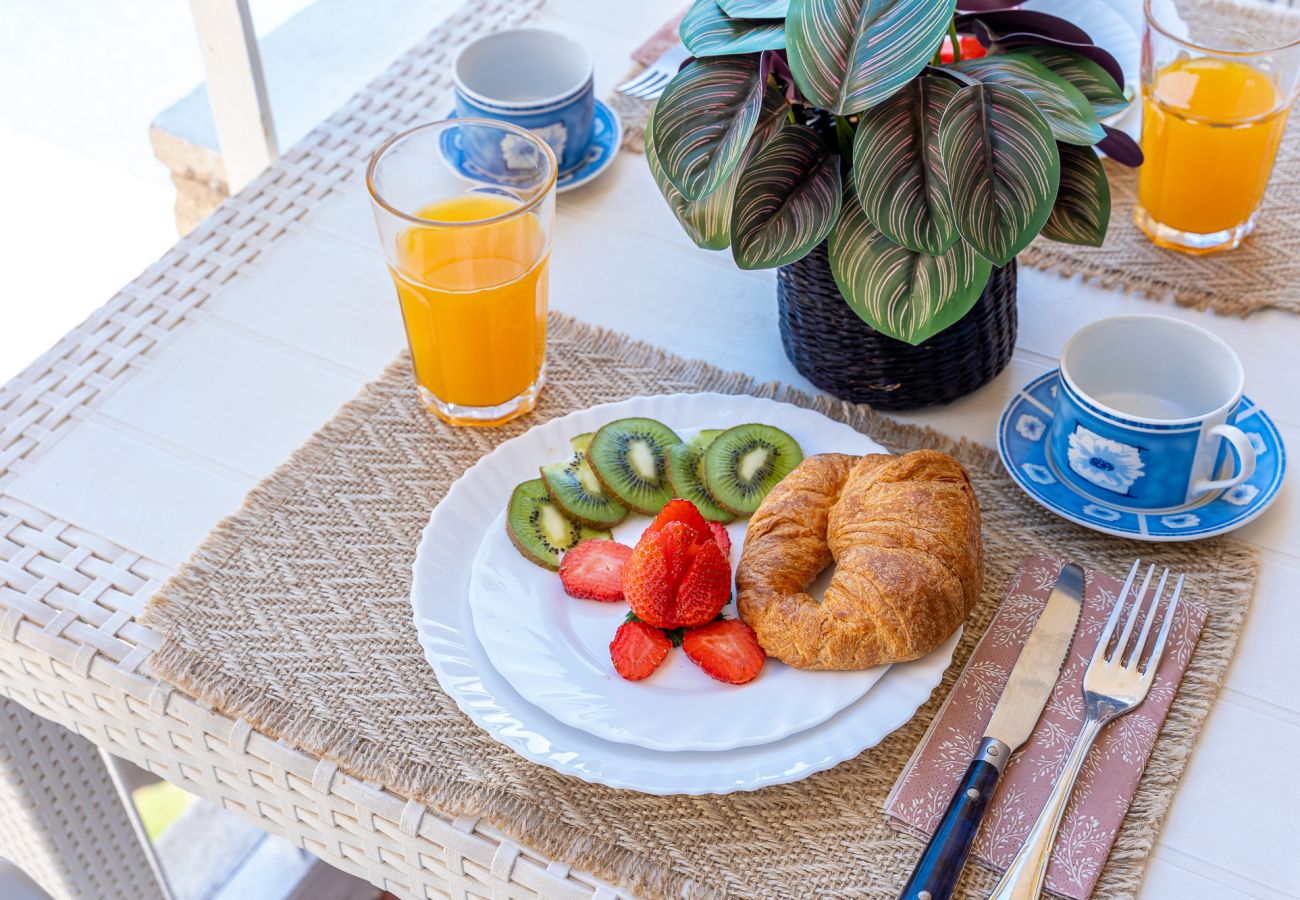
[
  {"x": 686, "y": 474},
  {"x": 745, "y": 462},
  {"x": 628, "y": 456},
  {"x": 539, "y": 530},
  {"x": 581, "y": 442},
  {"x": 580, "y": 495}
]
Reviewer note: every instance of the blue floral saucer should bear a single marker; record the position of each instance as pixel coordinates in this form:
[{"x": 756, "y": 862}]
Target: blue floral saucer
[
  {"x": 606, "y": 136},
  {"x": 1022, "y": 446}
]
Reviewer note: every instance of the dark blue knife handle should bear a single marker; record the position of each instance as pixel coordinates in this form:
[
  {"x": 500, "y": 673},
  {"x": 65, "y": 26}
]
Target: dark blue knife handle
[{"x": 936, "y": 873}]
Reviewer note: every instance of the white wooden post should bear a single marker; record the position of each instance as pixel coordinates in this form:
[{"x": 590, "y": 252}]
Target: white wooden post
[{"x": 236, "y": 88}]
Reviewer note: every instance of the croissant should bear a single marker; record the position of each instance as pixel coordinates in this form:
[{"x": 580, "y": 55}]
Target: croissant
[{"x": 904, "y": 533}]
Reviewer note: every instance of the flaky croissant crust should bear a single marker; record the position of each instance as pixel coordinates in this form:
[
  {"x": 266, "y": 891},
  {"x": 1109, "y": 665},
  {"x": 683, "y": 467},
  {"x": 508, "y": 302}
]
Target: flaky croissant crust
[{"x": 904, "y": 533}]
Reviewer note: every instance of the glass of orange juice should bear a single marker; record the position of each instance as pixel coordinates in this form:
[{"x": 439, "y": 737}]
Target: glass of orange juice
[
  {"x": 1218, "y": 80},
  {"x": 466, "y": 211}
]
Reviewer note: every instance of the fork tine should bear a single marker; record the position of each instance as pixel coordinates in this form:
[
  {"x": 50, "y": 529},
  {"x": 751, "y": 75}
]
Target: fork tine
[
  {"x": 632, "y": 84},
  {"x": 655, "y": 83},
  {"x": 1129, "y": 622},
  {"x": 1141, "y": 641},
  {"x": 1099, "y": 653},
  {"x": 1154, "y": 662}
]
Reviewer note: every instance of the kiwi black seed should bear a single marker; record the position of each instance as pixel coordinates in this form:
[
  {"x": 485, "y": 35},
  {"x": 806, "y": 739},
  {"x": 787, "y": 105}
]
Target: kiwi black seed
[
  {"x": 538, "y": 529},
  {"x": 578, "y": 492},
  {"x": 686, "y": 474},
  {"x": 745, "y": 462},
  {"x": 628, "y": 456}
]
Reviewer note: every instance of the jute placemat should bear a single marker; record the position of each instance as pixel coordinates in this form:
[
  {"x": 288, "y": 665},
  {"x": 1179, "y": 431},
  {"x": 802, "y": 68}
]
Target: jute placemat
[{"x": 294, "y": 615}]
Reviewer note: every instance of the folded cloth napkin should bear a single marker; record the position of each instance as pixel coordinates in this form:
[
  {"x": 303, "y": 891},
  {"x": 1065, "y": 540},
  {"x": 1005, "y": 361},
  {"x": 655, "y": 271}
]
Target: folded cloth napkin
[{"x": 1110, "y": 774}]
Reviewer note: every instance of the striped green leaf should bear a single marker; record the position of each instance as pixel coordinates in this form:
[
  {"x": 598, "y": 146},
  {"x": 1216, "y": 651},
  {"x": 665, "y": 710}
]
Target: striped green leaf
[
  {"x": 708, "y": 220},
  {"x": 786, "y": 200},
  {"x": 898, "y": 170},
  {"x": 1094, "y": 82},
  {"x": 708, "y": 31},
  {"x": 1002, "y": 166},
  {"x": 848, "y": 55},
  {"x": 755, "y": 9},
  {"x": 1066, "y": 109},
  {"x": 706, "y": 117},
  {"x": 907, "y": 295},
  {"x": 1082, "y": 209}
]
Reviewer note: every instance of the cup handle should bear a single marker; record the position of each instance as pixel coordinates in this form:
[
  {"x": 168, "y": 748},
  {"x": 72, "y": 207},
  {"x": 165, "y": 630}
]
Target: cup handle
[{"x": 1245, "y": 456}]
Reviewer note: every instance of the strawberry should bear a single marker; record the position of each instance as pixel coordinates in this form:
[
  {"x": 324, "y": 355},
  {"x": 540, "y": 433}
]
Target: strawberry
[
  {"x": 683, "y": 511},
  {"x": 705, "y": 589},
  {"x": 593, "y": 570},
  {"x": 727, "y": 650},
  {"x": 721, "y": 538},
  {"x": 676, "y": 576},
  {"x": 638, "y": 649}
]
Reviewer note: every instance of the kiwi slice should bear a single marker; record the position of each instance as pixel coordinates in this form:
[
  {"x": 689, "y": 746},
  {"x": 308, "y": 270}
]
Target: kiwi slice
[
  {"x": 538, "y": 529},
  {"x": 745, "y": 462},
  {"x": 628, "y": 457},
  {"x": 686, "y": 474},
  {"x": 578, "y": 492}
]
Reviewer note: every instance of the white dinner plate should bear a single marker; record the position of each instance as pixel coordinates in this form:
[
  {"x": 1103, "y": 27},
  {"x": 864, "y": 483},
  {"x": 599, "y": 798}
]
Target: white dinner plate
[
  {"x": 554, "y": 650},
  {"x": 443, "y": 621}
]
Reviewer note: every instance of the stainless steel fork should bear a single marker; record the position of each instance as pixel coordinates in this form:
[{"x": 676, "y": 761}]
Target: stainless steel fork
[
  {"x": 1113, "y": 685},
  {"x": 651, "y": 82}
]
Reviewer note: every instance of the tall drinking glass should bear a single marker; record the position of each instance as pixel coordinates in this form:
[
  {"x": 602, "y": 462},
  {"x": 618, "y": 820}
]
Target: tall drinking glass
[
  {"x": 1217, "y": 83},
  {"x": 466, "y": 211}
]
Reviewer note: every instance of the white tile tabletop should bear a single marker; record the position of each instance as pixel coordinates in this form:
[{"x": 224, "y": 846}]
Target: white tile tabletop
[{"x": 217, "y": 404}]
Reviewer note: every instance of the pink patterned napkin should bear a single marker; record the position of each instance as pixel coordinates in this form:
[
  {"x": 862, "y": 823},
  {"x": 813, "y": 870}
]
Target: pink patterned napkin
[
  {"x": 658, "y": 42},
  {"x": 1110, "y": 774}
]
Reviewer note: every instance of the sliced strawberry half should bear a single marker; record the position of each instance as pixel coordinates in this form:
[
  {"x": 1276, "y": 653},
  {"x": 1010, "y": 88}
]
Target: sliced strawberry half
[
  {"x": 721, "y": 538},
  {"x": 683, "y": 511},
  {"x": 593, "y": 570},
  {"x": 638, "y": 649},
  {"x": 705, "y": 589},
  {"x": 727, "y": 650}
]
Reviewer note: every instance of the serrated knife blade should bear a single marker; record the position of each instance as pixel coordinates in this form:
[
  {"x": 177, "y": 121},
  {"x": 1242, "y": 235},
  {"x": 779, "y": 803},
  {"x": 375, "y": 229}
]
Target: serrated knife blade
[{"x": 1028, "y": 687}]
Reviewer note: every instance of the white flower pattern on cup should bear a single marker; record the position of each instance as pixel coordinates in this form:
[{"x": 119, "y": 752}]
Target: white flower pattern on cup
[
  {"x": 1106, "y": 463},
  {"x": 1105, "y": 513},
  {"x": 520, "y": 154},
  {"x": 1181, "y": 520},
  {"x": 1241, "y": 494},
  {"x": 1038, "y": 473},
  {"x": 1030, "y": 427}
]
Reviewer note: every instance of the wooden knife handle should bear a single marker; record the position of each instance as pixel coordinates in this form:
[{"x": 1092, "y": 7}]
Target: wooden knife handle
[{"x": 936, "y": 873}]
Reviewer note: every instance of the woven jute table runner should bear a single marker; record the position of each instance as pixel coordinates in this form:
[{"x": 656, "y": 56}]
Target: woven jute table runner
[
  {"x": 294, "y": 615},
  {"x": 1262, "y": 273}
]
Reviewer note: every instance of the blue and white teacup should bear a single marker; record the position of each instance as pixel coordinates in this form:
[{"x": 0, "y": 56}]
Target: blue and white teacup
[
  {"x": 1143, "y": 412},
  {"x": 533, "y": 78}
]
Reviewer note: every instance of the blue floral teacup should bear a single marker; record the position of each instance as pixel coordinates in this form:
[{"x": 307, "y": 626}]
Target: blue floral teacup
[
  {"x": 1142, "y": 414},
  {"x": 533, "y": 78}
]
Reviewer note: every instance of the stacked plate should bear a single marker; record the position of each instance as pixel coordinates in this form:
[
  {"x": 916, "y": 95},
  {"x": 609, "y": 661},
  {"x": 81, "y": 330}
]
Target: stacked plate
[{"x": 530, "y": 665}]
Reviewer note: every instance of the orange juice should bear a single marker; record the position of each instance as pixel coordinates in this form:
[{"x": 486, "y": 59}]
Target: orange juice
[
  {"x": 473, "y": 298},
  {"x": 1210, "y": 130}
]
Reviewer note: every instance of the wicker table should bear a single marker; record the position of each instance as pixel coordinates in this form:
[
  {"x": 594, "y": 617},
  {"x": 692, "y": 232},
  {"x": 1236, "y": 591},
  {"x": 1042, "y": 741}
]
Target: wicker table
[{"x": 124, "y": 443}]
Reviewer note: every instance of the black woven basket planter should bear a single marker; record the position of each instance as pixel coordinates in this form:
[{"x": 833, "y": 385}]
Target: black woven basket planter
[{"x": 845, "y": 356}]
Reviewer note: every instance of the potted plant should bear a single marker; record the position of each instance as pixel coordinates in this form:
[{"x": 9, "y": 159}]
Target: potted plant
[{"x": 891, "y": 158}]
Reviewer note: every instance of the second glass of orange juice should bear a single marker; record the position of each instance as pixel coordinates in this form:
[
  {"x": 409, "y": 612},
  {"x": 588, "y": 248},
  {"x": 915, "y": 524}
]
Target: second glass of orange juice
[
  {"x": 468, "y": 250},
  {"x": 1216, "y": 90}
]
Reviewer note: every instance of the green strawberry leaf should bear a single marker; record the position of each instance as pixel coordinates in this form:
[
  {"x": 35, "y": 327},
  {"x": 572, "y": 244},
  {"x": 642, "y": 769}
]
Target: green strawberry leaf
[
  {"x": 1082, "y": 209},
  {"x": 898, "y": 170},
  {"x": 899, "y": 292},
  {"x": 1003, "y": 168},
  {"x": 786, "y": 200}
]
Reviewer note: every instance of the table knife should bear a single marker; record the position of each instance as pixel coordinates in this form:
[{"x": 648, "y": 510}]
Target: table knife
[{"x": 1022, "y": 701}]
